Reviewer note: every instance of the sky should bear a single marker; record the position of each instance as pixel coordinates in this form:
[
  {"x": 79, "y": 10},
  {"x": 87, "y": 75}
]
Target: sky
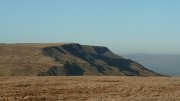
[{"x": 124, "y": 26}]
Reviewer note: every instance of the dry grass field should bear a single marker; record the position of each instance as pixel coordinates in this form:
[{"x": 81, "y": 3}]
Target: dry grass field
[{"x": 89, "y": 88}]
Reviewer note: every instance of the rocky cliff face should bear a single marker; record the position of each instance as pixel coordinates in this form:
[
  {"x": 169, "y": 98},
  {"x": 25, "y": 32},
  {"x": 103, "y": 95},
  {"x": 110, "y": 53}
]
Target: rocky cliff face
[{"x": 66, "y": 59}]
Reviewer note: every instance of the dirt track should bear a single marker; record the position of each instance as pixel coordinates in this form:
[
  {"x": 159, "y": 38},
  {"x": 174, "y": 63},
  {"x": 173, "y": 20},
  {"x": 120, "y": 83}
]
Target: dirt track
[{"x": 89, "y": 88}]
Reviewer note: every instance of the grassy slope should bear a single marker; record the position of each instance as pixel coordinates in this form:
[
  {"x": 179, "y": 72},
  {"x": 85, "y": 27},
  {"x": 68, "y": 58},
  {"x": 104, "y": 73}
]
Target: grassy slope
[{"x": 23, "y": 59}]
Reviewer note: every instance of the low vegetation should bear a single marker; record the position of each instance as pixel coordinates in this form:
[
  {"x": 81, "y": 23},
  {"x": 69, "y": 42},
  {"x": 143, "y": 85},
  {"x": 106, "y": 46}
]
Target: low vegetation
[{"x": 89, "y": 88}]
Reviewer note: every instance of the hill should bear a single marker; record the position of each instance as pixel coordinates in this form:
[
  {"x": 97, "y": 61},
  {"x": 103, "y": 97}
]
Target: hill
[{"x": 69, "y": 59}]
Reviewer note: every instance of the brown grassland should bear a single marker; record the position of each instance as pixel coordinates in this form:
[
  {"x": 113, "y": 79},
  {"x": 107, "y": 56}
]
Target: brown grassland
[{"x": 89, "y": 88}]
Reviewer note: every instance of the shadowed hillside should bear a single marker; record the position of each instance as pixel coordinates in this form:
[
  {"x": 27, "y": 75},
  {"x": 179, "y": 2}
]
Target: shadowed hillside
[{"x": 66, "y": 59}]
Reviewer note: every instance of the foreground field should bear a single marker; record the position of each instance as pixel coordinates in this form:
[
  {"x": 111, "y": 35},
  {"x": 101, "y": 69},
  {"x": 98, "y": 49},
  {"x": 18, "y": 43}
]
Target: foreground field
[{"x": 90, "y": 88}]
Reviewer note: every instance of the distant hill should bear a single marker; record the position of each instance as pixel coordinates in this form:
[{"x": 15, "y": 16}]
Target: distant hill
[
  {"x": 162, "y": 63},
  {"x": 69, "y": 59}
]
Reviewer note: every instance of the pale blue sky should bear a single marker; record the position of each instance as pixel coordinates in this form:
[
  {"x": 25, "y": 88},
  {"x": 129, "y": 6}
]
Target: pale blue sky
[{"x": 125, "y": 26}]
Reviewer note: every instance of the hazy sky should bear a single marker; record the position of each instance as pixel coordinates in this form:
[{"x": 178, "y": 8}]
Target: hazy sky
[{"x": 125, "y": 26}]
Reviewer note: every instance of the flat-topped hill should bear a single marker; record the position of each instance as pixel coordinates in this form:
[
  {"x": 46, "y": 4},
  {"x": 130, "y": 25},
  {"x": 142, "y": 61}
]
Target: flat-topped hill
[{"x": 71, "y": 59}]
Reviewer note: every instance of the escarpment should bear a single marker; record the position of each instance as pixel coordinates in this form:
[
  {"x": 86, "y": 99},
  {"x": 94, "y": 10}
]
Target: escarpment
[{"x": 66, "y": 59}]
